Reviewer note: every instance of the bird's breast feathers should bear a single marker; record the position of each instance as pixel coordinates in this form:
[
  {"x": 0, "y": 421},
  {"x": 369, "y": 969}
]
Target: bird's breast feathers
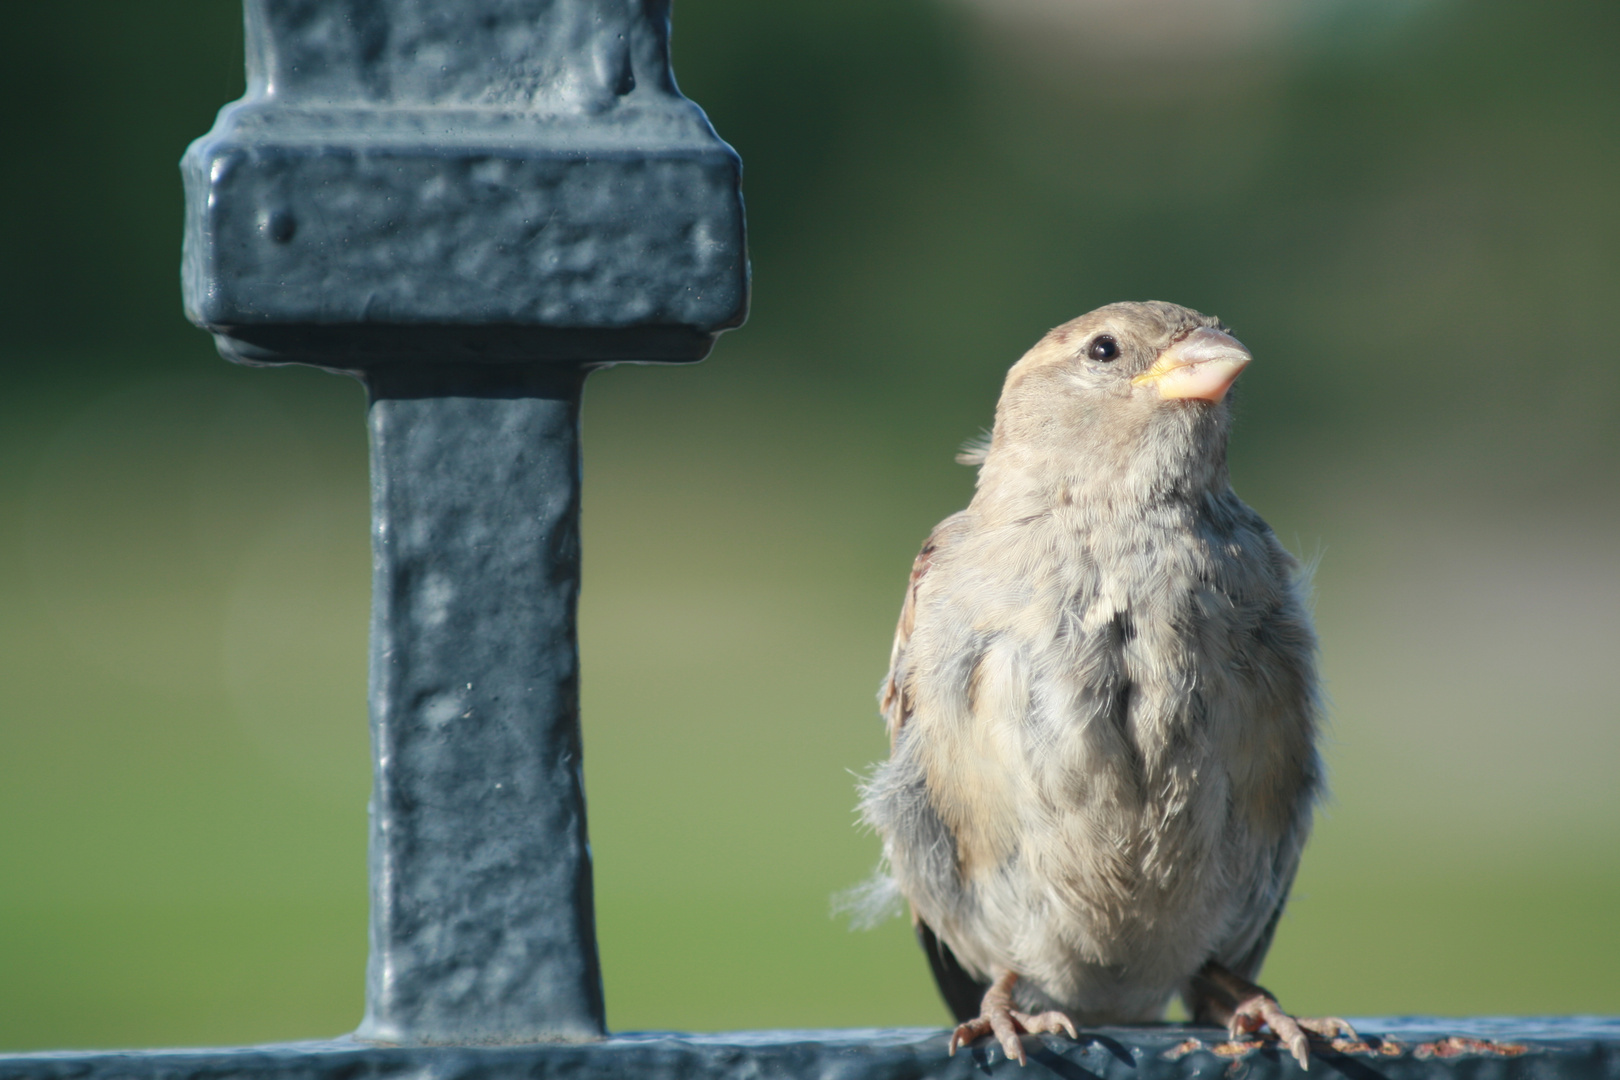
[{"x": 1091, "y": 734}]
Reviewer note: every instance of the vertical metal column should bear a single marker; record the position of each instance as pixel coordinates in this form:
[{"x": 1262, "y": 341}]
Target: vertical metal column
[
  {"x": 469, "y": 206},
  {"x": 481, "y": 913}
]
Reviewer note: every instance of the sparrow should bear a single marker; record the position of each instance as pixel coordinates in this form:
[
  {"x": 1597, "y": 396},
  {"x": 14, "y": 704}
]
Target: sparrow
[{"x": 1103, "y": 703}]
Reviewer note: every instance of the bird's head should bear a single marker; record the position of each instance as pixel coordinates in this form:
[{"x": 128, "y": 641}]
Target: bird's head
[{"x": 1131, "y": 392}]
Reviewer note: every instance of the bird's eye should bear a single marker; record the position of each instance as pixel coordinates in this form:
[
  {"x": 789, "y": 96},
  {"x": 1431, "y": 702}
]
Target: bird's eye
[{"x": 1104, "y": 348}]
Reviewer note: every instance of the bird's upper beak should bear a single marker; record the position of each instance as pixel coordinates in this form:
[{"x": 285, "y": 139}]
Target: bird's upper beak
[{"x": 1202, "y": 365}]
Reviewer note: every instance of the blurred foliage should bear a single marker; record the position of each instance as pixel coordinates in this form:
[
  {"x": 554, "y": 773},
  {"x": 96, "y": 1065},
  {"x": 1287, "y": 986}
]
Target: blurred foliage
[{"x": 1406, "y": 210}]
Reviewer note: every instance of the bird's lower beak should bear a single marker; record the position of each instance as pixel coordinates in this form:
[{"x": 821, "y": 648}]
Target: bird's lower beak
[{"x": 1202, "y": 365}]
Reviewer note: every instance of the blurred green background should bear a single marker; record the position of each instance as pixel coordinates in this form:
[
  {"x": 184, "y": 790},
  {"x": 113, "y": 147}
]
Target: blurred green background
[{"x": 1408, "y": 210}]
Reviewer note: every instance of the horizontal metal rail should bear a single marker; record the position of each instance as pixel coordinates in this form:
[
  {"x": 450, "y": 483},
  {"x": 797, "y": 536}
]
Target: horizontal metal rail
[{"x": 1406, "y": 1048}]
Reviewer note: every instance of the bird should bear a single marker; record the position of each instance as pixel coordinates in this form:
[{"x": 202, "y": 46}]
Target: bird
[{"x": 1103, "y": 703}]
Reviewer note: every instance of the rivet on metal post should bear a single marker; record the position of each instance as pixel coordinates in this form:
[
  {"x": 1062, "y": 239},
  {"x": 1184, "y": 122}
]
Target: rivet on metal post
[{"x": 469, "y": 205}]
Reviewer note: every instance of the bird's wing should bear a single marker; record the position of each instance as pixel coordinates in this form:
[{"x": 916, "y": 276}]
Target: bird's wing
[
  {"x": 1295, "y": 788},
  {"x": 961, "y": 991},
  {"x": 895, "y": 699},
  {"x": 1245, "y": 948}
]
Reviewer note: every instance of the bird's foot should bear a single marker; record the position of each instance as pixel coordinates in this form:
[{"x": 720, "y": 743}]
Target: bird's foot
[
  {"x": 1262, "y": 1010},
  {"x": 998, "y": 1017},
  {"x": 1008, "y": 1025},
  {"x": 1221, "y": 996}
]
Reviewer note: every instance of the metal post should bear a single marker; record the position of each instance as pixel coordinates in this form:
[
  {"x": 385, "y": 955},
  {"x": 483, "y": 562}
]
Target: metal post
[
  {"x": 469, "y": 206},
  {"x": 482, "y": 926}
]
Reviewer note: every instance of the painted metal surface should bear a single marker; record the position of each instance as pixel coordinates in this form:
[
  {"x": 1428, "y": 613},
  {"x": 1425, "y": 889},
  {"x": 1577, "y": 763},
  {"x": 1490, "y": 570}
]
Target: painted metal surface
[
  {"x": 482, "y": 924},
  {"x": 1401, "y": 1049},
  {"x": 469, "y": 206},
  {"x": 496, "y": 179}
]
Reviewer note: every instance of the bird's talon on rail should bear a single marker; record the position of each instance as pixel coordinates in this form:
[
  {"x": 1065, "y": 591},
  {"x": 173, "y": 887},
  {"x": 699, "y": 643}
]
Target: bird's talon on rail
[
  {"x": 1328, "y": 1028},
  {"x": 1262, "y": 1010},
  {"x": 1008, "y": 1026}
]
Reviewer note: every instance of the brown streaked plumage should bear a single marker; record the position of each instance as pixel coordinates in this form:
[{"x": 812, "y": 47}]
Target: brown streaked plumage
[{"x": 1102, "y": 702}]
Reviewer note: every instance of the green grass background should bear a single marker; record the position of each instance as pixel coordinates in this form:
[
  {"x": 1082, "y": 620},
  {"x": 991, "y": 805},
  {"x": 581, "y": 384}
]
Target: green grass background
[{"x": 1406, "y": 210}]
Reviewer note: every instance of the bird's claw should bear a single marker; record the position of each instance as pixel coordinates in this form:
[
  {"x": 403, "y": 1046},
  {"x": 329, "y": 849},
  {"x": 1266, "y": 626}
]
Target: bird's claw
[
  {"x": 1008, "y": 1025},
  {"x": 1262, "y": 1010}
]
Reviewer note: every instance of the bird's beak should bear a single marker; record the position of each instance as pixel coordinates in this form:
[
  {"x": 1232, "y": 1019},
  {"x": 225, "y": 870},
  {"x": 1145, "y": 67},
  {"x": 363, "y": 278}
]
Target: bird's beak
[{"x": 1202, "y": 365}]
